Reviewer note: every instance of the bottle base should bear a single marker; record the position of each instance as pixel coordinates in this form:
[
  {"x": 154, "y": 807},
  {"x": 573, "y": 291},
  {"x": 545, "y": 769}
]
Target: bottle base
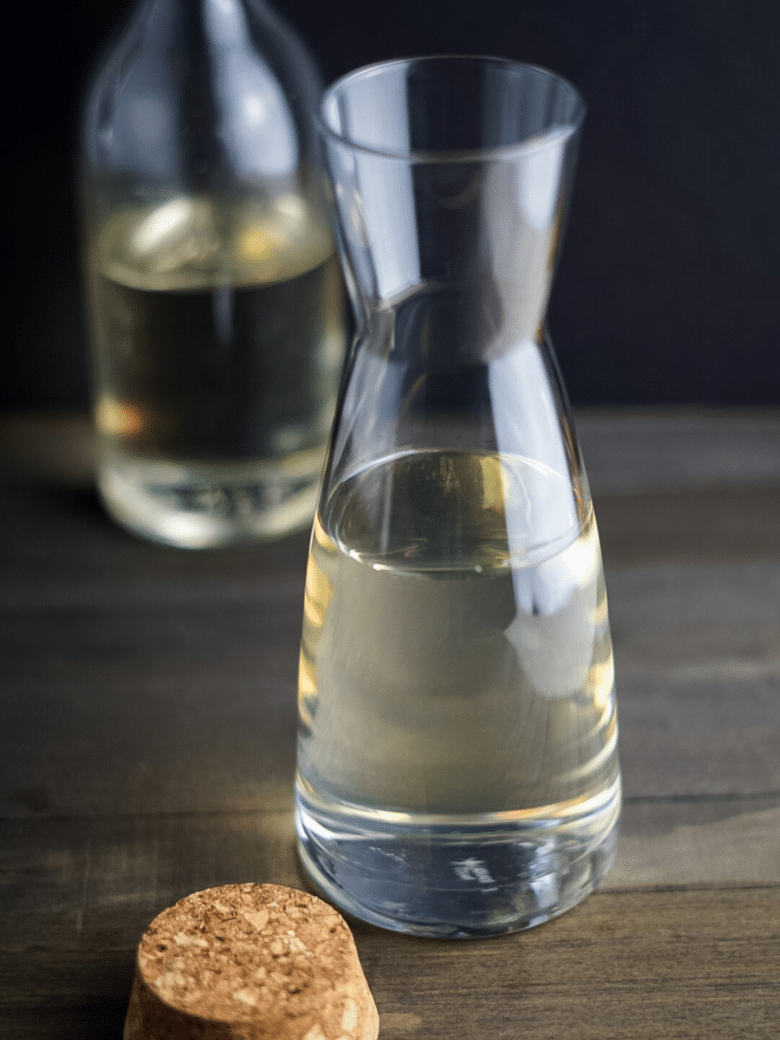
[
  {"x": 457, "y": 878},
  {"x": 210, "y": 505}
]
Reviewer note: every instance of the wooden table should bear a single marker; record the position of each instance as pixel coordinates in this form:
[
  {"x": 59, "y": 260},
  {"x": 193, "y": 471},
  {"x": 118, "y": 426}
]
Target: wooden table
[{"x": 148, "y": 724}]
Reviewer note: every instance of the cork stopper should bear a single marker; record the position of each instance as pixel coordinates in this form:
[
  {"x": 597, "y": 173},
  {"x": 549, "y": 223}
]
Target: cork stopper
[{"x": 250, "y": 962}]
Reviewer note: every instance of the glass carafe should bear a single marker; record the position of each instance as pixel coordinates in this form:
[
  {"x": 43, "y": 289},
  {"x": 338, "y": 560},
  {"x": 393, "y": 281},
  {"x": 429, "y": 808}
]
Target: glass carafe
[
  {"x": 215, "y": 295},
  {"x": 457, "y": 756}
]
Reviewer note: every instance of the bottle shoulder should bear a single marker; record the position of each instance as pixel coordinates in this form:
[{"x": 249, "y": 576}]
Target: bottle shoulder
[{"x": 223, "y": 84}]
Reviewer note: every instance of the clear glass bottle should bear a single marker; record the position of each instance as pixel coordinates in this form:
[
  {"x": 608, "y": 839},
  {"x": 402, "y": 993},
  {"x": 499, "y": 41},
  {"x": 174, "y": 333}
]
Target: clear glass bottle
[
  {"x": 215, "y": 297},
  {"x": 457, "y": 757}
]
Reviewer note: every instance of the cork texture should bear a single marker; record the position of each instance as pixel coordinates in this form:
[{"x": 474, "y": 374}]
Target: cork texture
[{"x": 250, "y": 962}]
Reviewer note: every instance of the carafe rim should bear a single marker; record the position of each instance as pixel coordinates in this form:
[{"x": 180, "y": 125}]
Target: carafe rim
[{"x": 552, "y": 136}]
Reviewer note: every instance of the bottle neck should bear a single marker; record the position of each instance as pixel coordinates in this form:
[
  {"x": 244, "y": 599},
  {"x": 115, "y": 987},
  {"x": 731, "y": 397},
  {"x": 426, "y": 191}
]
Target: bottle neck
[{"x": 207, "y": 96}]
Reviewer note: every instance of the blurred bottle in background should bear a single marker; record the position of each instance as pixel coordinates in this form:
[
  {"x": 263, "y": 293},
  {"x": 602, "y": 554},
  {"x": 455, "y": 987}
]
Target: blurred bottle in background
[{"x": 215, "y": 296}]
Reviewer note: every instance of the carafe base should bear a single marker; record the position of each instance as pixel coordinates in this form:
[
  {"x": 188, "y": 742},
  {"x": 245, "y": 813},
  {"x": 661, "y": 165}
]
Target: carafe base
[{"x": 456, "y": 877}]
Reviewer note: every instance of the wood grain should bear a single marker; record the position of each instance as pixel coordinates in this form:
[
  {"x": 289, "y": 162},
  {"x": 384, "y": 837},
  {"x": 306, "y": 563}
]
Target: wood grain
[
  {"x": 148, "y": 730},
  {"x": 71, "y": 882},
  {"x": 622, "y": 964}
]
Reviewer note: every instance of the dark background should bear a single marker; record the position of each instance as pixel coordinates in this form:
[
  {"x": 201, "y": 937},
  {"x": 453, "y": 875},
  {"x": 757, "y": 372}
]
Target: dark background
[{"x": 667, "y": 290}]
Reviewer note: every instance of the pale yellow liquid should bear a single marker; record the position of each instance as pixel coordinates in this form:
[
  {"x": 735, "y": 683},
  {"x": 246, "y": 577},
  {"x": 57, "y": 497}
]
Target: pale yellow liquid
[
  {"x": 453, "y": 665},
  {"x": 219, "y": 336}
]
